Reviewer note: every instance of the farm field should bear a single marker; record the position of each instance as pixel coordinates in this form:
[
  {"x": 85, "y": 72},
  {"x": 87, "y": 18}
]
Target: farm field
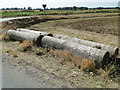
[
  {"x": 54, "y": 12},
  {"x": 97, "y": 27}
]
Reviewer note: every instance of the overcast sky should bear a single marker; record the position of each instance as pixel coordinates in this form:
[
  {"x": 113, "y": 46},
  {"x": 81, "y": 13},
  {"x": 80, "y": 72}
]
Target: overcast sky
[{"x": 58, "y": 3}]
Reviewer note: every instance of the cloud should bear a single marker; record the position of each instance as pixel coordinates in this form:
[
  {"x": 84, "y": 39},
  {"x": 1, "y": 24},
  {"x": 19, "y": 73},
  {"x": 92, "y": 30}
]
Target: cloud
[{"x": 56, "y": 3}]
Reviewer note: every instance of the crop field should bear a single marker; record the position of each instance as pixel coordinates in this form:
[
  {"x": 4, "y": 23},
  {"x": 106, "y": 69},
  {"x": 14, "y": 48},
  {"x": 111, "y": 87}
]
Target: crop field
[
  {"x": 54, "y": 12},
  {"x": 93, "y": 25}
]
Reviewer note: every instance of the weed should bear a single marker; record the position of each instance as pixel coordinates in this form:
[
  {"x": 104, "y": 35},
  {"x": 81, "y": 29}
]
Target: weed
[
  {"x": 64, "y": 54},
  {"x": 84, "y": 64},
  {"x": 5, "y": 37},
  {"x": 7, "y": 50},
  {"x": 102, "y": 72},
  {"x": 112, "y": 71},
  {"x": 14, "y": 53},
  {"x": 87, "y": 64},
  {"x": 91, "y": 40},
  {"x": 26, "y": 45},
  {"x": 39, "y": 52}
]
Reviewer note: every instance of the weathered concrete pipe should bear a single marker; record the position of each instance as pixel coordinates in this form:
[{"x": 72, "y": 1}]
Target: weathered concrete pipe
[
  {"x": 100, "y": 57},
  {"x": 20, "y": 36},
  {"x": 114, "y": 51},
  {"x": 35, "y": 32}
]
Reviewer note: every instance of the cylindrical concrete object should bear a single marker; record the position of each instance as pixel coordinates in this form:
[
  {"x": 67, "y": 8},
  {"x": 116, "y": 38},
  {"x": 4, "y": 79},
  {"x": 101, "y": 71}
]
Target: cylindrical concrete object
[
  {"x": 35, "y": 32},
  {"x": 52, "y": 43},
  {"x": 100, "y": 57},
  {"x": 111, "y": 49},
  {"x": 20, "y": 36}
]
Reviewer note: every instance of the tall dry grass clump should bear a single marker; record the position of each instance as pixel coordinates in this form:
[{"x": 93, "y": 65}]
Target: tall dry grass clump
[
  {"x": 63, "y": 54},
  {"x": 103, "y": 72},
  {"x": 111, "y": 71},
  {"x": 10, "y": 51},
  {"x": 25, "y": 45},
  {"x": 7, "y": 50},
  {"x": 14, "y": 53},
  {"x": 83, "y": 64},
  {"x": 87, "y": 64},
  {"x": 5, "y": 37}
]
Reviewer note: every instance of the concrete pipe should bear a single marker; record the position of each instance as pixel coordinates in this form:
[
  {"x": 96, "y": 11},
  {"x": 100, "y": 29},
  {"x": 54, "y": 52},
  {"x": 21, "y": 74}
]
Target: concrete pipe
[
  {"x": 35, "y": 32},
  {"x": 100, "y": 57},
  {"x": 114, "y": 51},
  {"x": 20, "y": 36}
]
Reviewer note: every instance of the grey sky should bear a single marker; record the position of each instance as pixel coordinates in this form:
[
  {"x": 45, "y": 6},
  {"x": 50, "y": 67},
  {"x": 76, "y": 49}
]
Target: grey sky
[{"x": 58, "y": 3}]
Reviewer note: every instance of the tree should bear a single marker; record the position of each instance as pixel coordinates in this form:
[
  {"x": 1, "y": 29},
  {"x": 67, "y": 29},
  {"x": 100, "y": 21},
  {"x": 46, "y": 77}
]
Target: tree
[
  {"x": 24, "y": 8},
  {"x": 16, "y": 8},
  {"x": 29, "y": 8},
  {"x": 74, "y": 7},
  {"x": 44, "y": 6}
]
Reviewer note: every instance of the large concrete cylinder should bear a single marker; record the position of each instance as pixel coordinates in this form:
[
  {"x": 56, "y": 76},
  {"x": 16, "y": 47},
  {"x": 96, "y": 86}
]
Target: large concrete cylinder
[
  {"x": 100, "y": 57},
  {"x": 20, "y": 36},
  {"x": 34, "y": 32},
  {"x": 114, "y": 51}
]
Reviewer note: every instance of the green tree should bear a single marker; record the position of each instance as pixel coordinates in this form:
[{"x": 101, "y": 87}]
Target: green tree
[{"x": 74, "y": 7}]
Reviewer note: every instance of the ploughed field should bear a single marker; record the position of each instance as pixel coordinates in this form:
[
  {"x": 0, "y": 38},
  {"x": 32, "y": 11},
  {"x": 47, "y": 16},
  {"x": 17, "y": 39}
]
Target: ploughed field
[
  {"x": 97, "y": 29},
  {"x": 106, "y": 25}
]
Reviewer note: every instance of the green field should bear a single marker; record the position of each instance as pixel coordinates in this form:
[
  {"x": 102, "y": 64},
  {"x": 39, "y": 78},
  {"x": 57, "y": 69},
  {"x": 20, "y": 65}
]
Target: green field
[{"x": 56, "y": 12}]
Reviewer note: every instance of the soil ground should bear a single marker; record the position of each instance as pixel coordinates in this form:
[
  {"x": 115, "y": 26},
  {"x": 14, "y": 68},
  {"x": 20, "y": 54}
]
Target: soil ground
[
  {"x": 96, "y": 29},
  {"x": 60, "y": 68}
]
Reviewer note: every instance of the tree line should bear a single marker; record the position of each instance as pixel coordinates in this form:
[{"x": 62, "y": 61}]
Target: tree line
[{"x": 60, "y": 8}]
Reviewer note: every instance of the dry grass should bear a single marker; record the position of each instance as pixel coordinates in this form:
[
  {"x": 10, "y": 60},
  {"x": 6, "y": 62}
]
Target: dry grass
[
  {"x": 38, "y": 51},
  {"x": 14, "y": 53},
  {"x": 7, "y": 50},
  {"x": 5, "y": 37},
  {"x": 83, "y": 64},
  {"x": 64, "y": 54},
  {"x": 25, "y": 46},
  {"x": 10, "y": 51},
  {"x": 87, "y": 64},
  {"x": 103, "y": 72},
  {"x": 81, "y": 15},
  {"x": 112, "y": 71}
]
